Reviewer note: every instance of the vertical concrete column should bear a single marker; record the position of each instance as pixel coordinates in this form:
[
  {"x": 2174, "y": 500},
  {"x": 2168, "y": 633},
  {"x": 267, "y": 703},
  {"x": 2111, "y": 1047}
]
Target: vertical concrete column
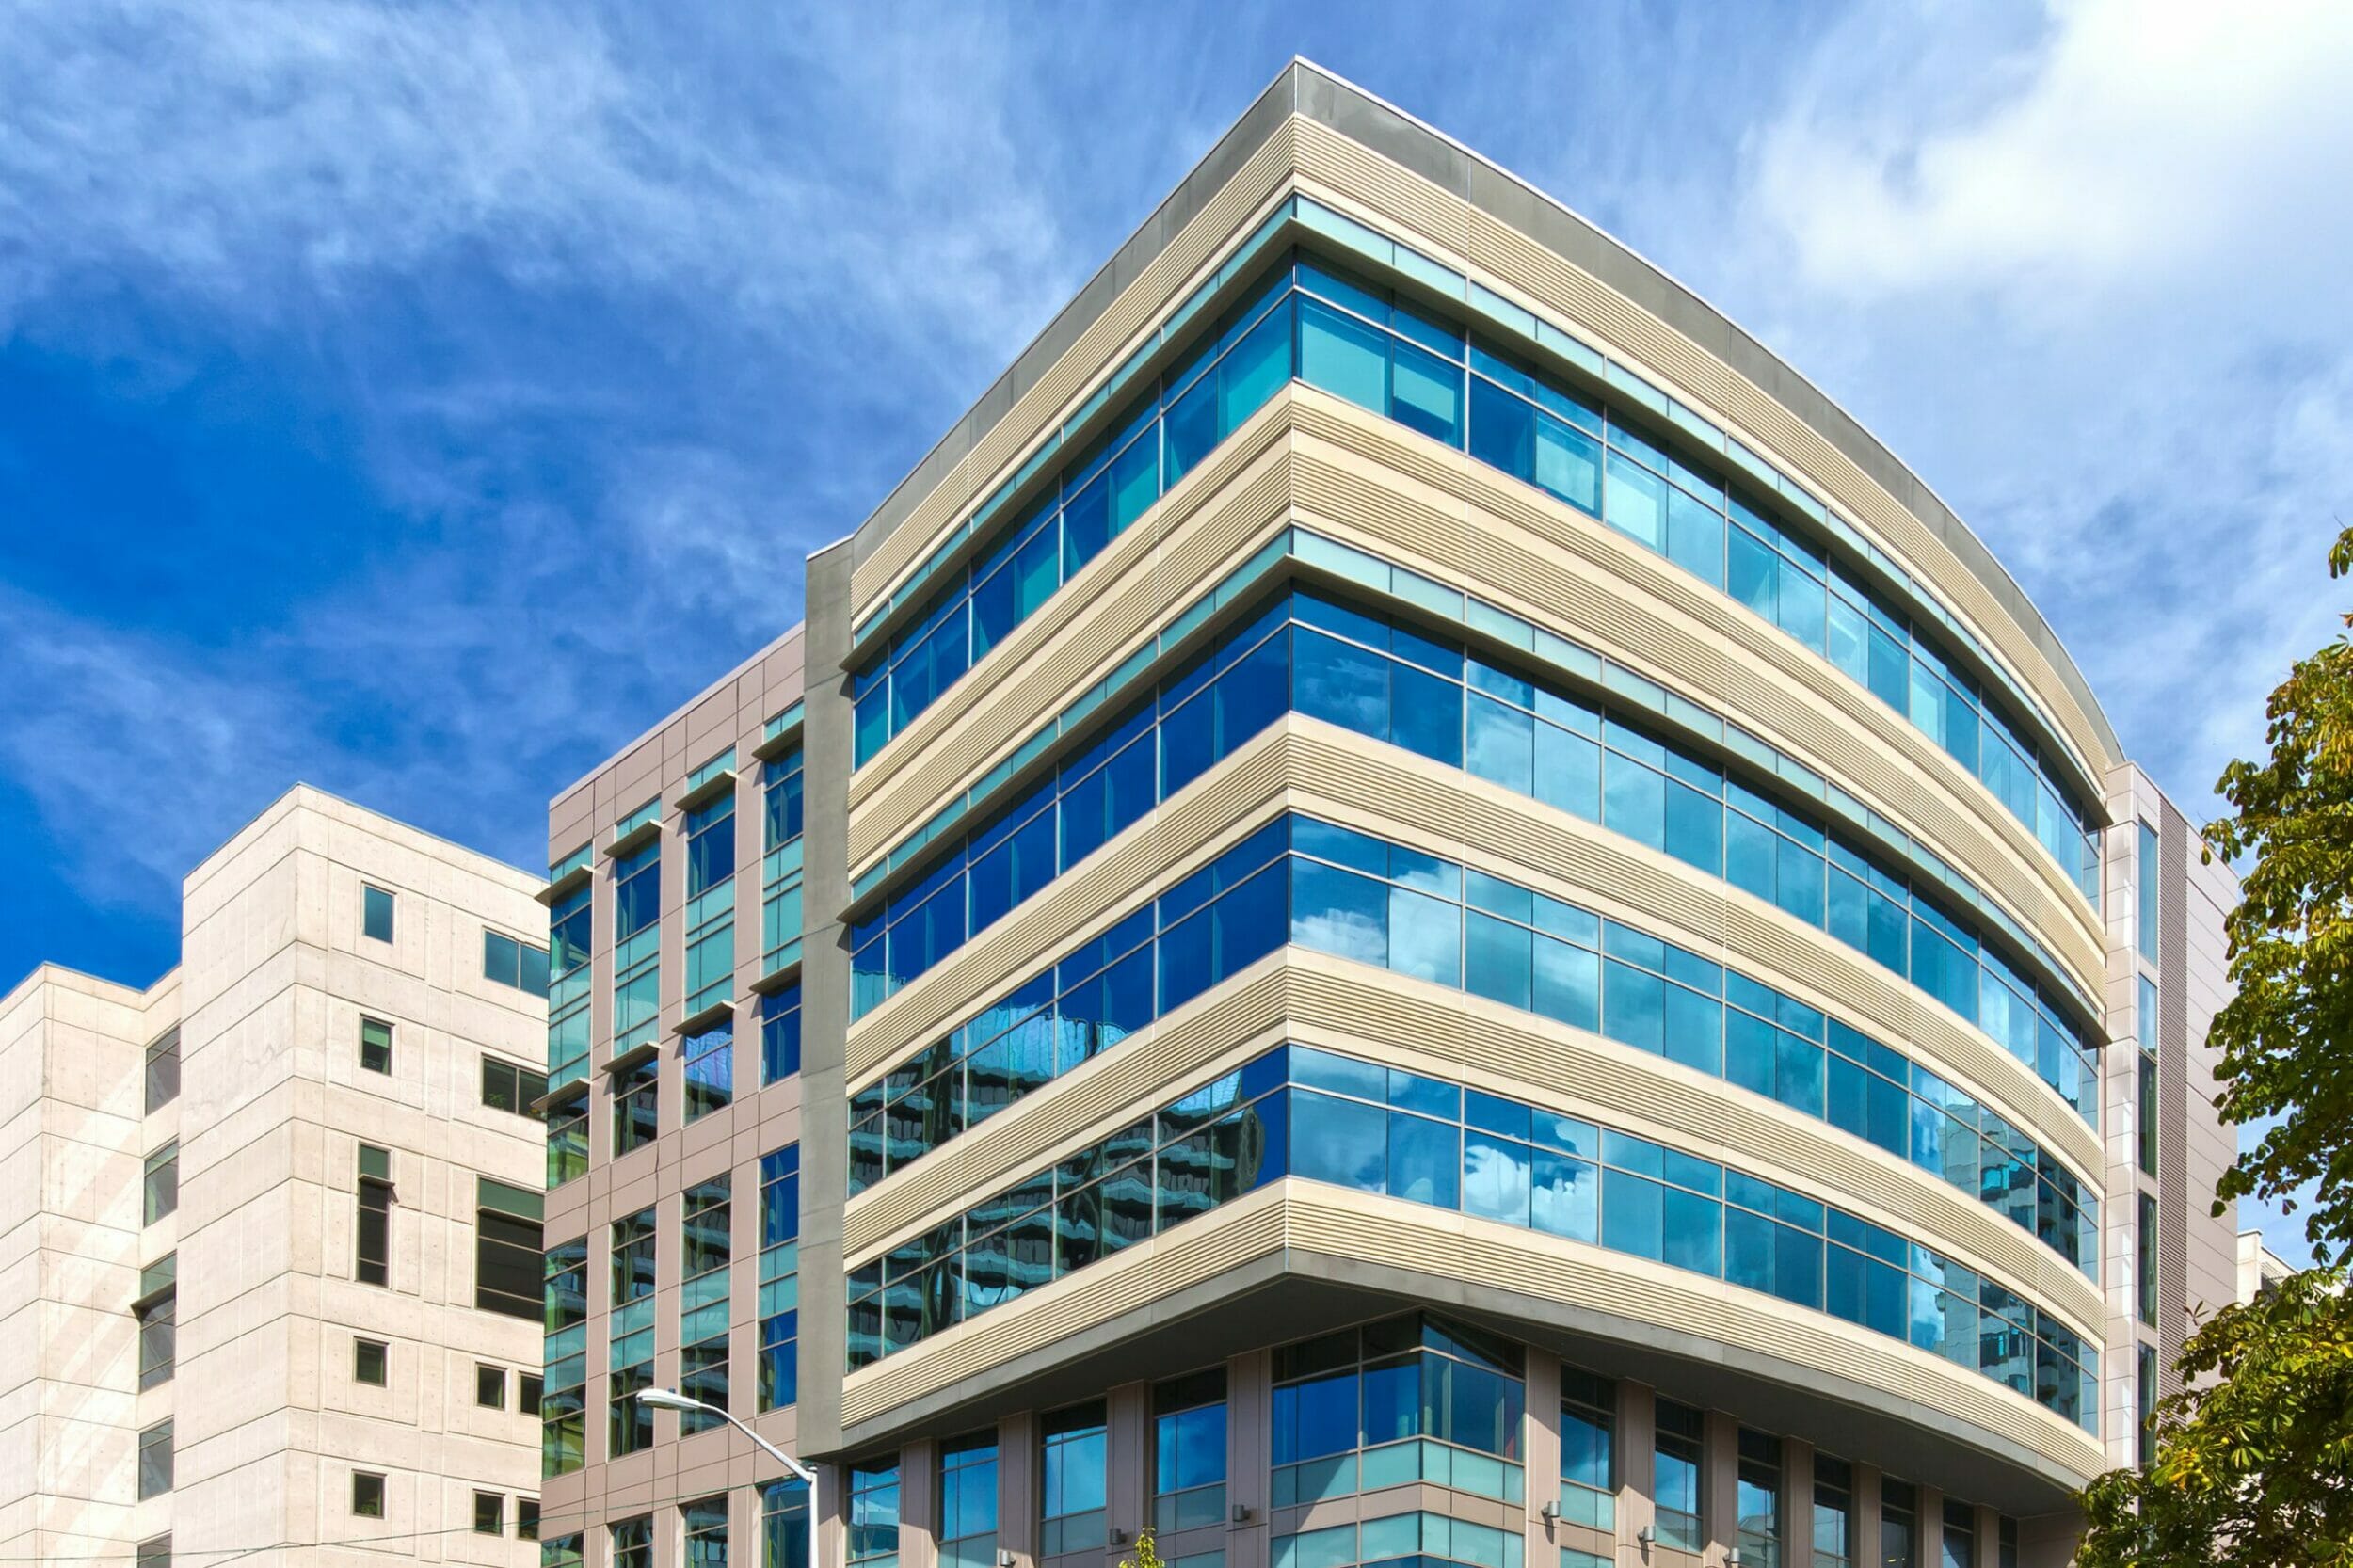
[
  {"x": 1018, "y": 1488},
  {"x": 918, "y": 1506},
  {"x": 1128, "y": 1458},
  {"x": 1931, "y": 1552},
  {"x": 1796, "y": 1504},
  {"x": 832, "y": 1503},
  {"x": 1249, "y": 1455},
  {"x": 1720, "y": 1485},
  {"x": 1540, "y": 1451},
  {"x": 1866, "y": 1515},
  {"x": 1989, "y": 1554},
  {"x": 1637, "y": 1432}
]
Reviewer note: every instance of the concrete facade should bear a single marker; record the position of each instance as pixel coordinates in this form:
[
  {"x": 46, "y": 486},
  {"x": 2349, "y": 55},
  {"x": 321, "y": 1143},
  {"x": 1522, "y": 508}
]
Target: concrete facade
[
  {"x": 978, "y": 1396},
  {"x": 231, "y": 1308}
]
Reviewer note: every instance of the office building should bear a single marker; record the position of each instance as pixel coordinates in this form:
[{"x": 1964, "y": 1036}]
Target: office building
[
  {"x": 269, "y": 1227},
  {"x": 1406, "y": 904}
]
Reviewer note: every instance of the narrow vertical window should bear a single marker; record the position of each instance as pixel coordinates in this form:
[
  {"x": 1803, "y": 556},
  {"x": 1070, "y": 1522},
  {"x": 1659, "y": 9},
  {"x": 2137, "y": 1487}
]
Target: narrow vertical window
[
  {"x": 705, "y": 1250},
  {"x": 1960, "y": 1536},
  {"x": 156, "y": 1461},
  {"x": 367, "y": 1494},
  {"x": 375, "y": 914},
  {"x": 373, "y": 1264},
  {"x": 2147, "y": 871},
  {"x": 968, "y": 1501},
  {"x": 1757, "y": 1502},
  {"x": 376, "y": 1045},
  {"x": 706, "y": 1521},
  {"x": 157, "y": 1310},
  {"x": 636, "y": 1105},
  {"x": 1676, "y": 1465},
  {"x": 780, "y": 1034},
  {"x": 2147, "y": 1251},
  {"x": 562, "y": 1401},
  {"x": 784, "y": 1524},
  {"x": 1589, "y": 1472},
  {"x": 490, "y": 1386},
  {"x": 1189, "y": 1450},
  {"x": 779, "y": 1277},
  {"x": 630, "y": 1424},
  {"x": 1833, "y": 1513},
  {"x": 2145, "y": 1399},
  {"x": 490, "y": 1514},
  {"x": 1071, "y": 1497},
  {"x": 568, "y": 1142},
  {"x": 163, "y": 1070},
  {"x": 710, "y": 1068},
  {"x": 159, "y": 1193},
  {"x": 1899, "y": 1524},
  {"x": 875, "y": 1514}
]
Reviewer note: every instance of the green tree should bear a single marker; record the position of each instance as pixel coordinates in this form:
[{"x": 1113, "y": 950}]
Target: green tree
[
  {"x": 2287, "y": 1036},
  {"x": 2255, "y": 1469},
  {"x": 2256, "y": 1466}
]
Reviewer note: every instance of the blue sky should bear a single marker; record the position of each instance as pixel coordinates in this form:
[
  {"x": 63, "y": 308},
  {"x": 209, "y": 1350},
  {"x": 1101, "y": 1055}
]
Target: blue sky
[{"x": 421, "y": 401}]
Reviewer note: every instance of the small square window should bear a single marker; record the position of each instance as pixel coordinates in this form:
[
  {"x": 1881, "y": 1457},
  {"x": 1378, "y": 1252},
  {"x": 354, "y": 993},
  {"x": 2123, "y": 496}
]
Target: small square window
[
  {"x": 376, "y": 1045},
  {"x": 490, "y": 1386},
  {"x": 367, "y": 1494},
  {"x": 526, "y": 1518},
  {"x": 527, "y": 1393},
  {"x": 490, "y": 1514},
  {"x": 368, "y": 1360},
  {"x": 376, "y": 916}
]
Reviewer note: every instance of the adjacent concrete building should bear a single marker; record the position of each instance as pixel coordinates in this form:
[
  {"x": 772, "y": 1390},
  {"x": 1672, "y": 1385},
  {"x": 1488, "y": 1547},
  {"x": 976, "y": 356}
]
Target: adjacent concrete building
[
  {"x": 1407, "y": 904},
  {"x": 269, "y": 1228}
]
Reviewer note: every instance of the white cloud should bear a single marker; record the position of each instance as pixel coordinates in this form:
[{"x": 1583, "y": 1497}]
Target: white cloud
[
  {"x": 2085, "y": 272},
  {"x": 263, "y": 159},
  {"x": 2148, "y": 145}
]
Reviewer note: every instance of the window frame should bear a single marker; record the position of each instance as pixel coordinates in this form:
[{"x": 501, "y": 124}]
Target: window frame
[
  {"x": 380, "y": 1050},
  {"x": 369, "y": 907},
  {"x": 362, "y": 1350}
]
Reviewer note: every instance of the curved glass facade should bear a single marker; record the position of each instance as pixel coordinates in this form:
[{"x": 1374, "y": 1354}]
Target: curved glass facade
[
  {"x": 1332, "y": 889},
  {"x": 1314, "y": 323},
  {"x": 1313, "y": 654},
  {"x": 1329, "y": 1118}
]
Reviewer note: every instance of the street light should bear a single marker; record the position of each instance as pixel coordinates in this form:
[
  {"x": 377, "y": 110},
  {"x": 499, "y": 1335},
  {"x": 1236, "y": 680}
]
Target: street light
[{"x": 670, "y": 1398}]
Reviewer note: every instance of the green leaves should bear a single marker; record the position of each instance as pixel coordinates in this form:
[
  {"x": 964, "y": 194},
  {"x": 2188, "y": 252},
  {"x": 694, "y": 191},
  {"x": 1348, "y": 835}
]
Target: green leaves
[
  {"x": 2255, "y": 1468},
  {"x": 2286, "y": 1038},
  {"x": 2254, "y": 1461}
]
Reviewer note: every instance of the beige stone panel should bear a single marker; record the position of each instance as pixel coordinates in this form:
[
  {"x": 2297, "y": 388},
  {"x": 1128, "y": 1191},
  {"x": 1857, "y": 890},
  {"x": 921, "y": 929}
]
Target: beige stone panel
[
  {"x": 1223, "y": 222},
  {"x": 1211, "y": 523},
  {"x": 1309, "y": 1221},
  {"x": 1351, "y": 178},
  {"x": 1315, "y": 767},
  {"x": 1359, "y": 479},
  {"x": 1194, "y": 825},
  {"x": 1316, "y": 999},
  {"x": 1372, "y": 483}
]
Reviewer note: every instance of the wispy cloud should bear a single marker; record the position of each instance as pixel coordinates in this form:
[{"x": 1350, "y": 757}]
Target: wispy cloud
[{"x": 2084, "y": 268}]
